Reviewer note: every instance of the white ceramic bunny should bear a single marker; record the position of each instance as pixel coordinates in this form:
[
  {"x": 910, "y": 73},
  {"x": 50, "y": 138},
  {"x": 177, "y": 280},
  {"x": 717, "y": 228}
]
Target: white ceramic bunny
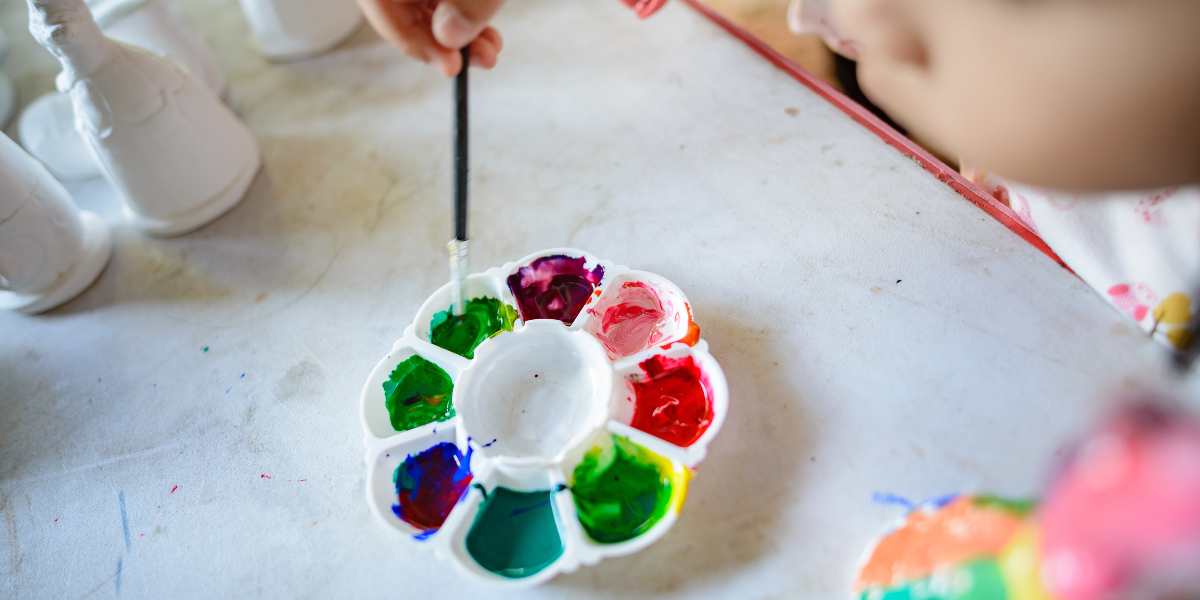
[
  {"x": 179, "y": 157},
  {"x": 50, "y": 251}
]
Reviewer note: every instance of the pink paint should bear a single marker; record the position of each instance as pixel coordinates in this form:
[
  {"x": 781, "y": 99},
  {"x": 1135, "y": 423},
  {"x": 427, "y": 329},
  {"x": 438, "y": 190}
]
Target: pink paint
[
  {"x": 1126, "y": 508},
  {"x": 173, "y": 489},
  {"x": 264, "y": 476},
  {"x": 630, "y": 320}
]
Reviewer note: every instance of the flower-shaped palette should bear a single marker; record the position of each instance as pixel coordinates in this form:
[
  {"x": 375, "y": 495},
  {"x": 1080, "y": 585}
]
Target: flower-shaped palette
[{"x": 553, "y": 424}]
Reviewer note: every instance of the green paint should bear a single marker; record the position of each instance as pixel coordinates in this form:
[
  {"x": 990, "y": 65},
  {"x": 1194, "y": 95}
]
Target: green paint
[
  {"x": 205, "y": 348},
  {"x": 620, "y": 491},
  {"x": 483, "y": 318},
  {"x": 418, "y": 392},
  {"x": 1019, "y": 508},
  {"x": 977, "y": 580},
  {"x": 515, "y": 533}
]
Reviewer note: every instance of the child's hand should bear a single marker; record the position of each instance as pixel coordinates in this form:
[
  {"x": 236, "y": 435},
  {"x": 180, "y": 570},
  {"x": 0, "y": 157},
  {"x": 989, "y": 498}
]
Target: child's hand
[{"x": 433, "y": 31}]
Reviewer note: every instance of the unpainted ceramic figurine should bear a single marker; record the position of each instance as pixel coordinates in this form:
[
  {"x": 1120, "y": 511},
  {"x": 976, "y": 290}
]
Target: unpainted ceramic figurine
[
  {"x": 178, "y": 155},
  {"x": 8, "y": 93},
  {"x": 47, "y": 126},
  {"x": 50, "y": 251},
  {"x": 294, "y": 29}
]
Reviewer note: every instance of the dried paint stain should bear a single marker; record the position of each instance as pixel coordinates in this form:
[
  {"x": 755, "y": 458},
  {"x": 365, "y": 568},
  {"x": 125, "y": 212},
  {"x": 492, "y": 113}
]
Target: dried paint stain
[
  {"x": 621, "y": 490},
  {"x": 429, "y": 484},
  {"x": 554, "y": 287},
  {"x": 418, "y": 392},
  {"x": 671, "y": 400},
  {"x": 629, "y": 321},
  {"x": 515, "y": 534},
  {"x": 461, "y": 334}
]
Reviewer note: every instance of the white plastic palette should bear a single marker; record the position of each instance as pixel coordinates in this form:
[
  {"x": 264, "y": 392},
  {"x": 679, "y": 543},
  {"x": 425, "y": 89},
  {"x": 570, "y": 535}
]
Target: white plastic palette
[{"x": 547, "y": 419}]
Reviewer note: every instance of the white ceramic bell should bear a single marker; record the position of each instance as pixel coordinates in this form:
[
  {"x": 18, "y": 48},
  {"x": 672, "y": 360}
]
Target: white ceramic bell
[
  {"x": 294, "y": 29},
  {"x": 159, "y": 27},
  {"x": 50, "y": 251},
  {"x": 179, "y": 157},
  {"x": 47, "y": 126}
]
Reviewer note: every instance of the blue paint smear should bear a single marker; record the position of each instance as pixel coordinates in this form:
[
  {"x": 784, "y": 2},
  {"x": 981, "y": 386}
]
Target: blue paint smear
[
  {"x": 120, "y": 559},
  {"x": 124, "y": 520},
  {"x": 934, "y": 502}
]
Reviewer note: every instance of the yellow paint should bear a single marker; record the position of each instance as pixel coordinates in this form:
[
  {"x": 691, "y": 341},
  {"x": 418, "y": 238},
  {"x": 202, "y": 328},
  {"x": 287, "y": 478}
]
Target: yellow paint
[
  {"x": 1020, "y": 565},
  {"x": 1175, "y": 310},
  {"x": 680, "y": 476}
]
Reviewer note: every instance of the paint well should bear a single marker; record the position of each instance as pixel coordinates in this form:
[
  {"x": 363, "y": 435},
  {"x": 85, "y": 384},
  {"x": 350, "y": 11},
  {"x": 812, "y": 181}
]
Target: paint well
[
  {"x": 429, "y": 484},
  {"x": 461, "y": 334},
  {"x": 631, "y": 319},
  {"x": 554, "y": 287},
  {"x": 974, "y": 580},
  {"x": 671, "y": 400},
  {"x": 416, "y": 393},
  {"x": 515, "y": 534},
  {"x": 621, "y": 490}
]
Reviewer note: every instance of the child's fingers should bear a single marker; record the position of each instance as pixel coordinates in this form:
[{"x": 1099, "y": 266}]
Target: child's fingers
[
  {"x": 485, "y": 49},
  {"x": 457, "y": 23},
  {"x": 405, "y": 25}
]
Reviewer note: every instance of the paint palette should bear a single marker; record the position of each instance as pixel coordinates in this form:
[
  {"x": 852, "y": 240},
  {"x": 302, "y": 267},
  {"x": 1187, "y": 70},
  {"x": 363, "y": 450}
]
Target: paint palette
[{"x": 554, "y": 423}]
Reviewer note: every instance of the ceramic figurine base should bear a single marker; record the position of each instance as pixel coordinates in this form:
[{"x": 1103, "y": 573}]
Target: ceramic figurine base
[
  {"x": 97, "y": 248},
  {"x": 287, "y": 30},
  {"x": 46, "y": 130},
  {"x": 201, "y": 216}
]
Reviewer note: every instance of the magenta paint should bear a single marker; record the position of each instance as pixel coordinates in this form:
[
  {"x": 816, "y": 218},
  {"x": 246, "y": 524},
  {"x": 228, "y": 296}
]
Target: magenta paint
[{"x": 554, "y": 287}]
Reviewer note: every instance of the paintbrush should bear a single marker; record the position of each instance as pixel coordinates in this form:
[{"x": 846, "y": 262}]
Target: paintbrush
[{"x": 458, "y": 245}]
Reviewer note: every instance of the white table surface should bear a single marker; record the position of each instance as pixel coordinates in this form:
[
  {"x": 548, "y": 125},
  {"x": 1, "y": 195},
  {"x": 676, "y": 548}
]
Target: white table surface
[{"x": 879, "y": 332}]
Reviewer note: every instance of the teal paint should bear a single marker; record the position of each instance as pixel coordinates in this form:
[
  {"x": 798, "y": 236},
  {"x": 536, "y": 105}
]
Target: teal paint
[{"x": 515, "y": 534}]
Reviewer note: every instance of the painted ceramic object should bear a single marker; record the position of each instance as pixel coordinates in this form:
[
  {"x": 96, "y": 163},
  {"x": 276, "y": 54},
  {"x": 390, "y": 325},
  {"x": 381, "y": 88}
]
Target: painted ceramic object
[
  {"x": 1121, "y": 519},
  {"x": 568, "y": 436}
]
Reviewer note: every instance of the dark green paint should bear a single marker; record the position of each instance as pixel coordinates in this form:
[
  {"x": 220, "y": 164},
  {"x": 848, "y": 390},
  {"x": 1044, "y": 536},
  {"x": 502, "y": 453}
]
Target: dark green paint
[
  {"x": 515, "y": 534},
  {"x": 620, "y": 492},
  {"x": 483, "y": 318},
  {"x": 418, "y": 392}
]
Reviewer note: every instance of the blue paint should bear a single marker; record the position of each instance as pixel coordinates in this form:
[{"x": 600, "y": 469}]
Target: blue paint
[
  {"x": 120, "y": 559},
  {"x": 428, "y": 486},
  {"x": 124, "y": 520},
  {"x": 489, "y": 443},
  {"x": 934, "y": 502}
]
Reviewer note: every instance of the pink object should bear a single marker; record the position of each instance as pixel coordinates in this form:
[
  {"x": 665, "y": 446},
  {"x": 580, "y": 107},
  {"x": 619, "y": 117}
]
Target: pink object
[
  {"x": 644, "y": 8},
  {"x": 1125, "y": 511}
]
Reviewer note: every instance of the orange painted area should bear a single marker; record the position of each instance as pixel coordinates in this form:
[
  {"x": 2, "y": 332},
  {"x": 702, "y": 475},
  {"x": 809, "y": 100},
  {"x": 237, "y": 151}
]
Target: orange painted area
[
  {"x": 928, "y": 540},
  {"x": 693, "y": 334}
]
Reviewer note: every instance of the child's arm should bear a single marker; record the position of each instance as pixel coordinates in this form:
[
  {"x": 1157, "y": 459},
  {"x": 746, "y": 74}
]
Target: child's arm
[{"x": 433, "y": 31}]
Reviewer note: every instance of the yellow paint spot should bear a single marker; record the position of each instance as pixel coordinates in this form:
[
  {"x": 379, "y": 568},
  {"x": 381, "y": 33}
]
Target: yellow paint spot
[
  {"x": 1019, "y": 565},
  {"x": 1175, "y": 310}
]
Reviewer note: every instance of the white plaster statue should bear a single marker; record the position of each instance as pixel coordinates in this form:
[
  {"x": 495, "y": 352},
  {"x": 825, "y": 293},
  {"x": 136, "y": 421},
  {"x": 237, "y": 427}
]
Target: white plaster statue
[
  {"x": 47, "y": 126},
  {"x": 179, "y": 157},
  {"x": 294, "y": 29},
  {"x": 50, "y": 251}
]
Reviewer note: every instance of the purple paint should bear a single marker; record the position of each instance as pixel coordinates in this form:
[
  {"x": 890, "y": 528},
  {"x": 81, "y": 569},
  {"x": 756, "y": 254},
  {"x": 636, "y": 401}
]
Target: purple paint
[
  {"x": 554, "y": 287},
  {"x": 429, "y": 484}
]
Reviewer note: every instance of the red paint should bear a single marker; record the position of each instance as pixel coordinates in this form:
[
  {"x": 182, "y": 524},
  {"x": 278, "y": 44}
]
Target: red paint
[
  {"x": 644, "y": 8},
  {"x": 264, "y": 476},
  {"x": 672, "y": 400},
  {"x": 893, "y": 138},
  {"x": 173, "y": 489}
]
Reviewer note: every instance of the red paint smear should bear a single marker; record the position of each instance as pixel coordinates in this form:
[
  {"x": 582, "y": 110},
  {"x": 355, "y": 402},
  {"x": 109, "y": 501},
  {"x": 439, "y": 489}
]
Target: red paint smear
[
  {"x": 644, "y": 8},
  {"x": 672, "y": 401},
  {"x": 264, "y": 476},
  {"x": 893, "y": 138},
  {"x": 173, "y": 489}
]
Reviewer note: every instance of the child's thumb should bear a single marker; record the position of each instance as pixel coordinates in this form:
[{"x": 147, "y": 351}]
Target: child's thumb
[{"x": 457, "y": 23}]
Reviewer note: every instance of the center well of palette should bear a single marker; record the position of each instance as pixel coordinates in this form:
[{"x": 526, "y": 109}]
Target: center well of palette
[{"x": 535, "y": 393}]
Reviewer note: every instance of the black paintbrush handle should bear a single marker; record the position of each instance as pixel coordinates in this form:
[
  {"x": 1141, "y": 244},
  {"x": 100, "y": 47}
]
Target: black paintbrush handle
[{"x": 461, "y": 163}]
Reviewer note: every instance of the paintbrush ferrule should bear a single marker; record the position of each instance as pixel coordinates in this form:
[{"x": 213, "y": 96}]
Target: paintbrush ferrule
[{"x": 459, "y": 268}]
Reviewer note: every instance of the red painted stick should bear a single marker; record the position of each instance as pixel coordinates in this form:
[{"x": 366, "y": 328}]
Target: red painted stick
[{"x": 907, "y": 147}]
